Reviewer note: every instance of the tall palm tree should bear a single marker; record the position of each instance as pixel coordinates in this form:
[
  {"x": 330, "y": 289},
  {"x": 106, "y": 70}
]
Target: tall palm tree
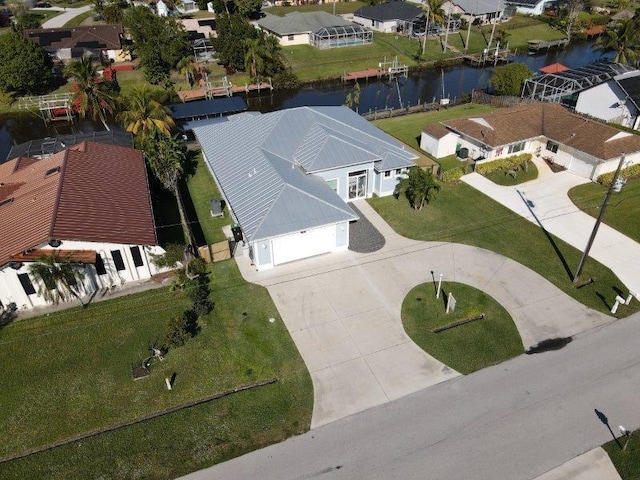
[
  {"x": 419, "y": 187},
  {"x": 188, "y": 67},
  {"x": 143, "y": 115},
  {"x": 166, "y": 157},
  {"x": 622, "y": 39},
  {"x": 58, "y": 279},
  {"x": 91, "y": 95}
]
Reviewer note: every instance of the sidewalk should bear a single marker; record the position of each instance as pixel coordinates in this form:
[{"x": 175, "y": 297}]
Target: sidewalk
[
  {"x": 545, "y": 202},
  {"x": 592, "y": 465}
]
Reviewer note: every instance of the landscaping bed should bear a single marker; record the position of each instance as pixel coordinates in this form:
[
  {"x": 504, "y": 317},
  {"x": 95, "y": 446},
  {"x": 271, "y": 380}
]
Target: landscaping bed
[{"x": 468, "y": 347}]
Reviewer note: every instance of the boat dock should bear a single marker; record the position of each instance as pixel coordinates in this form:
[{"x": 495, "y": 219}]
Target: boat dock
[
  {"x": 362, "y": 74},
  {"x": 391, "y": 69},
  {"x": 536, "y": 46},
  {"x": 227, "y": 89},
  {"x": 490, "y": 57}
]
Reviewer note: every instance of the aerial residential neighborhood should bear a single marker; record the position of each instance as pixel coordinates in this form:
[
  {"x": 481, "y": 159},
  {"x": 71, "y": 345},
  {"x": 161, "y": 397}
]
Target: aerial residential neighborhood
[{"x": 341, "y": 239}]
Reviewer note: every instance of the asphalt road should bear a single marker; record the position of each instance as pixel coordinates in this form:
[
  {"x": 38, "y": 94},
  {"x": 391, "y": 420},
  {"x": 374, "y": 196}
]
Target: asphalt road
[{"x": 513, "y": 421}]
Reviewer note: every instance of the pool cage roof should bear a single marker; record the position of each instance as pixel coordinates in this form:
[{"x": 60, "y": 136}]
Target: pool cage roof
[
  {"x": 341, "y": 36},
  {"x": 554, "y": 87}
]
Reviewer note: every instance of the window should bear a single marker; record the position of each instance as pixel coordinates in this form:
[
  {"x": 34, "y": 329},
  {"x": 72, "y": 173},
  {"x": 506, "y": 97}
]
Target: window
[
  {"x": 100, "y": 270},
  {"x": 333, "y": 184},
  {"x": 117, "y": 260},
  {"x": 137, "y": 258},
  {"x": 25, "y": 281},
  {"x": 387, "y": 174},
  {"x": 517, "y": 147},
  {"x": 291, "y": 37},
  {"x": 552, "y": 146},
  {"x": 398, "y": 171}
]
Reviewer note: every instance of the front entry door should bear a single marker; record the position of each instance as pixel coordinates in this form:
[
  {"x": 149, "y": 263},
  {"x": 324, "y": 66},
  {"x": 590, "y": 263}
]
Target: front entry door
[{"x": 358, "y": 184}]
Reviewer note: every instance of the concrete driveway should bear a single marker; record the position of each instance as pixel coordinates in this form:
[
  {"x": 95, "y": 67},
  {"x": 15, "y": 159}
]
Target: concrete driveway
[
  {"x": 343, "y": 312},
  {"x": 544, "y": 201}
]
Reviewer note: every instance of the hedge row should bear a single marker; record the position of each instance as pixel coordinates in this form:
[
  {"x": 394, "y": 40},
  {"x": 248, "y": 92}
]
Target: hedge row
[
  {"x": 632, "y": 171},
  {"x": 453, "y": 175},
  {"x": 515, "y": 161}
]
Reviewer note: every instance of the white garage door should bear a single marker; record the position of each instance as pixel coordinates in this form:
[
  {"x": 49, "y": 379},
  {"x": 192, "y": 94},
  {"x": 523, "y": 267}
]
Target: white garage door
[
  {"x": 302, "y": 245},
  {"x": 582, "y": 168}
]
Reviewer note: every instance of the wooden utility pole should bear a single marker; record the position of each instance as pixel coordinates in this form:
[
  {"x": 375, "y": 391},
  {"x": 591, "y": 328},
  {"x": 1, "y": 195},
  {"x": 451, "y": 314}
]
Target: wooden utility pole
[{"x": 603, "y": 208}]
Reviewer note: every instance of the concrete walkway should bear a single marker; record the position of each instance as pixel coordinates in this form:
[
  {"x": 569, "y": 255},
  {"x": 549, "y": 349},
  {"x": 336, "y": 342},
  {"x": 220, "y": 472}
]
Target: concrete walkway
[
  {"x": 544, "y": 201},
  {"x": 69, "y": 13},
  {"x": 593, "y": 465},
  {"x": 343, "y": 312}
]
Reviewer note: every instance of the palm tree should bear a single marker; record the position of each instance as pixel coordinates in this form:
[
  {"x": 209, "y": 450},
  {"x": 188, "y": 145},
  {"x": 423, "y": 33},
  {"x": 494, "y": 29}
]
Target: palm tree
[
  {"x": 502, "y": 37},
  {"x": 622, "y": 39},
  {"x": 188, "y": 67},
  {"x": 166, "y": 157},
  {"x": 143, "y": 115},
  {"x": 58, "y": 279},
  {"x": 254, "y": 57},
  {"x": 91, "y": 94},
  {"x": 419, "y": 187}
]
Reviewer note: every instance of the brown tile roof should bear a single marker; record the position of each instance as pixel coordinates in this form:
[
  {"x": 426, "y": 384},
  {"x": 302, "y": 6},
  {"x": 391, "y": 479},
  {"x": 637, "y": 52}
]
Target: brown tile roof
[
  {"x": 505, "y": 126},
  {"x": 436, "y": 130},
  {"x": 93, "y": 192},
  {"x": 93, "y": 37}
]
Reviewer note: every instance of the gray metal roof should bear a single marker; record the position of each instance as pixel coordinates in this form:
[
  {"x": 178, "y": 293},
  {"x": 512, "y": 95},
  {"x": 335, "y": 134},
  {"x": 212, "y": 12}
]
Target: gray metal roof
[
  {"x": 298, "y": 22},
  {"x": 263, "y": 163},
  {"x": 480, "y": 7}
]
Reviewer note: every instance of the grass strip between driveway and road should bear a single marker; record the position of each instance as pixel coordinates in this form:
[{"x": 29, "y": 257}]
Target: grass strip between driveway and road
[
  {"x": 465, "y": 348},
  {"x": 627, "y": 461},
  {"x": 462, "y": 214},
  {"x": 623, "y": 210},
  {"x": 71, "y": 374}
]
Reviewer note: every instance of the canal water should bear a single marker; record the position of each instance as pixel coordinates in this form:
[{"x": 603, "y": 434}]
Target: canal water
[{"x": 420, "y": 87}]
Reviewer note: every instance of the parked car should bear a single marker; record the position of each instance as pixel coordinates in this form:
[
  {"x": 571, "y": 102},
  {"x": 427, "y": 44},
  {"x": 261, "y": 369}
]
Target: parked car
[{"x": 43, "y": 5}]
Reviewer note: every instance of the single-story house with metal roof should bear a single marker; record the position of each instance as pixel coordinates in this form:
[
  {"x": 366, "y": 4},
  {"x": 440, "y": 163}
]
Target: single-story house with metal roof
[
  {"x": 481, "y": 11},
  {"x": 388, "y": 17},
  {"x": 288, "y": 176},
  {"x": 320, "y": 29},
  {"x": 584, "y": 146},
  {"x": 616, "y": 100},
  {"x": 70, "y": 206}
]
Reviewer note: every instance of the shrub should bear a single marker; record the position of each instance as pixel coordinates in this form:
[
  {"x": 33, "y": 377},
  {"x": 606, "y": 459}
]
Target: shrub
[
  {"x": 452, "y": 175},
  {"x": 515, "y": 161},
  {"x": 632, "y": 171}
]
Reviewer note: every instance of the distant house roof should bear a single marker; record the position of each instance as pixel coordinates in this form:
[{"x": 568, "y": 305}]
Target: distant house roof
[
  {"x": 48, "y": 146},
  {"x": 199, "y": 27},
  {"x": 298, "y": 22},
  {"x": 203, "y": 108},
  {"x": 263, "y": 165},
  {"x": 506, "y": 126},
  {"x": 554, "y": 68},
  {"x": 395, "y": 10},
  {"x": 479, "y": 7},
  {"x": 94, "y": 37},
  {"x": 72, "y": 195},
  {"x": 524, "y": 3}
]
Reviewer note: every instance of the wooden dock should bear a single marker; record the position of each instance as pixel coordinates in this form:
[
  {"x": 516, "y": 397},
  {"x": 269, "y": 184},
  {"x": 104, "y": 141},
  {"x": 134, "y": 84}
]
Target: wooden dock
[
  {"x": 206, "y": 90},
  {"x": 490, "y": 57},
  {"x": 536, "y": 46},
  {"x": 362, "y": 74}
]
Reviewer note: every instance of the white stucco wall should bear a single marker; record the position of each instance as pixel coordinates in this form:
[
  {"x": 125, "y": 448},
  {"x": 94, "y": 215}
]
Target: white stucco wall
[
  {"x": 298, "y": 39},
  {"x": 608, "y": 102},
  {"x": 439, "y": 147},
  {"x": 11, "y": 290},
  {"x": 389, "y": 26}
]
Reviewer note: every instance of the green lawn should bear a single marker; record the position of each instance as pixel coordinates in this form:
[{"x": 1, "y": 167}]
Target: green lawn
[
  {"x": 71, "y": 374},
  {"x": 202, "y": 188},
  {"x": 628, "y": 462},
  {"x": 522, "y": 29},
  {"x": 466, "y": 348},
  {"x": 464, "y": 215},
  {"x": 341, "y": 8},
  {"x": 501, "y": 177},
  {"x": 75, "y": 21},
  {"x": 623, "y": 210}
]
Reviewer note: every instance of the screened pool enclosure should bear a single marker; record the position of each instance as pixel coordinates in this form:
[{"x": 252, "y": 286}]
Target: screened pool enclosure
[{"x": 341, "y": 36}]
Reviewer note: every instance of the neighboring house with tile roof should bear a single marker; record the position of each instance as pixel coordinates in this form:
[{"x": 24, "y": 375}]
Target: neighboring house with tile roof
[
  {"x": 481, "y": 11},
  {"x": 319, "y": 29},
  {"x": 584, "y": 146},
  {"x": 387, "y": 17},
  {"x": 616, "y": 100},
  {"x": 287, "y": 176},
  {"x": 74, "y": 42},
  {"x": 89, "y": 203}
]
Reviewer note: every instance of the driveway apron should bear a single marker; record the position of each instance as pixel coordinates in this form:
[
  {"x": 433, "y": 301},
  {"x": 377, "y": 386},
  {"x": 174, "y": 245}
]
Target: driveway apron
[{"x": 343, "y": 313}]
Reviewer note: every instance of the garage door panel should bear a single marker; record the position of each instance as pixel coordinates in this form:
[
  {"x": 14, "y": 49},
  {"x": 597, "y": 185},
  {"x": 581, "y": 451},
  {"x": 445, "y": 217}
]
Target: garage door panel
[
  {"x": 581, "y": 168},
  {"x": 301, "y": 245}
]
